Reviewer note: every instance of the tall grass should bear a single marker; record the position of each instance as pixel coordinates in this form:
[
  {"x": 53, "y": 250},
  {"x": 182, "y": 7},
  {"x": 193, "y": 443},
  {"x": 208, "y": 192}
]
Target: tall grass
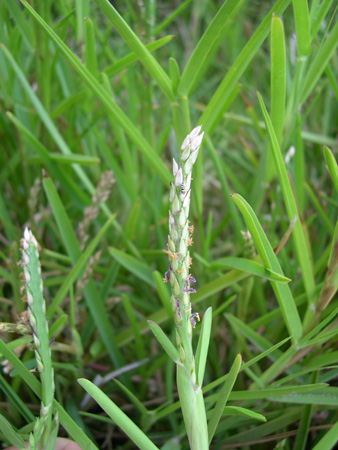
[{"x": 95, "y": 102}]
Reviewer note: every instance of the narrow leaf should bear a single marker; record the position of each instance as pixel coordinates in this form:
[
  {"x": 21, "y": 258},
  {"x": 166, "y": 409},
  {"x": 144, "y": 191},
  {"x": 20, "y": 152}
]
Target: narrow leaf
[
  {"x": 136, "y": 45},
  {"x": 263, "y": 246},
  {"x": 249, "y": 266},
  {"x": 302, "y": 22},
  {"x": 139, "y": 269},
  {"x": 302, "y": 250},
  {"x": 196, "y": 64},
  {"x": 118, "y": 416},
  {"x": 203, "y": 346},
  {"x": 223, "y": 397},
  {"x": 332, "y": 166},
  {"x": 164, "y": 341},
  {"x": 239, "y": 411},
  {"x": 11, "y": 435}
]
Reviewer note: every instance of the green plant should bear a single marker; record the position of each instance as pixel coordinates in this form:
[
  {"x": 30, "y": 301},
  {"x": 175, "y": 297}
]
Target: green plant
[{"x": 95, "y": 100}]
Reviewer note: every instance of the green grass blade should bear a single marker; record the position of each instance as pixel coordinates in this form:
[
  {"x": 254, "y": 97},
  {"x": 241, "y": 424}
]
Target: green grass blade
[
  {"x": 127, "y": 60},
  {"x": 332, "y": 166},
  {"x": 304, "y": 258},
  {"x": 263, "y": 246},
  {"x": 216, "y": 104},
  {"x": 136, "y": 45},
  {"x": 239, "y": 411},
  {"x": 90, "y": 50},
  {"x": 79, "y": 266},
  {"x": 119, "y": 417},
  {"x": 139, "y": 269},
  {"x": 319, "y": 63},
  {"x": 196, "y": 63},
  {"x": 71, "y": 243},
  {"x": 223, "y": 397},
  {"x": 132, "y": 397},
  {"x": 328, "y": 441},
  {"x": 54, "y": 132},
  {"x": 278, "y": 87},
  {"x": 302, "y": 22},
  {"x": 67, "y": 422},
  {"x": 108, "y": 102},
  {"x": 249, "y": 266},
  {"x": 165, "y": 342},
  {"x": 16, "y": 400},
  {"x": 203, "y": 346},
  {"x": 12, "y": 436},
  {"x": 161, "y": 26}
]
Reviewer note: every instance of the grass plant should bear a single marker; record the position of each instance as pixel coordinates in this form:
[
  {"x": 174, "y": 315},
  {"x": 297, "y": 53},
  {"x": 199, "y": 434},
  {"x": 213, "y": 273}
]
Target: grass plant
[{"x": 97, "y": 99}]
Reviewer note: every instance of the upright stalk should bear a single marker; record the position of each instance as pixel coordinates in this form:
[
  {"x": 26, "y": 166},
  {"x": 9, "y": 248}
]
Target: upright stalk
[{"x": 179, "y": 240}]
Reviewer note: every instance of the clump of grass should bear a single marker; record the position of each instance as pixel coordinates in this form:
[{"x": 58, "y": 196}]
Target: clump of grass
[{"x": 88, "y": 90}]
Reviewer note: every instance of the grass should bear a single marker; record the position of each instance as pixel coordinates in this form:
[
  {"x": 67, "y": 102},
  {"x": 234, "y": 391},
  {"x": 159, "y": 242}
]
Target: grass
[{"x": 95, "y": 102}]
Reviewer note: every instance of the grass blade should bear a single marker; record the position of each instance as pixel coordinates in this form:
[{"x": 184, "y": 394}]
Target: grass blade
[
  {"x": 165, "y": 342},
  {"x": 196, "y": 63},
  {"x": 239, "y": 411},
  {"x": 215, "y": 105},
  {"x": 278, "y": 87},
  {"x": 118, "y": 416},
  {"x": 328, "y": 441},
  {"x": 304, "y": 258},
  {"x": 319, "y": 63},
  {"x": 67, "y": 422},
  {"x": 139, "y": 269},
  {"x": 263, "y": 246},
  {"x": 223, "y": 397},
  {"x": 91, "y": 295},
  {"x": 249, "y": 266},
  {"x": 8, "y": 431},
  {"x": 332, "y": 166},
  {"x": 302, "y": 22},
  {"x": 203, "y": 346},
  {"x": 111, "y": 106},
  {"x": 79, "y": 266},
  {"x": 136, "y": 45}
]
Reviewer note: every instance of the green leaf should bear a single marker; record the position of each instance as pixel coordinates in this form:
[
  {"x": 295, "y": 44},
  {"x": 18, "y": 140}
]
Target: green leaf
[
  {"x": 239, "y": 411},
  {"x": 118, "y": 416},
  {"x": 164, "y": 341},
  {"x": 327, "y": 396},
  {"x": 276, "y": 393},
  {"x": 332, "y": 166},
  {"x": 302, "y": 22},
  {"x": 111, "y": 106},
  {"x": 223, "y": 397},
  {"x": 248, "y": 266},
  {"x": 78, "y": 267},
  {"x": 328, "y": 441},
  {"x": 67, "y": 422},
  {"x": 132, "y": 397},
  {"x": 319, "y": 63},
  {"x": 129, "y": 59},
  {"x": 263, "y": 246},
  {"x": 302, "y": 250},
  {"x": 278, "y": 87},
  {"x": 208, "y": 43},
  {"x": 84, "y": 160},
  {"x": 71, "y": 243},
  {"x": 11, "y": 435},
  {"x": 203, "y": 346},
  {"x": 139, "y": 269},
  {"x": 136, "y": 45},
  {"x": 216, "y": 104}
]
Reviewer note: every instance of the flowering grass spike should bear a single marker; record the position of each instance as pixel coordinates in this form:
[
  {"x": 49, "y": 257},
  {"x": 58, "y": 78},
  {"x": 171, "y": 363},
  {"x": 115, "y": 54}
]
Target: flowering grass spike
[{"x": 180, "y": 279}]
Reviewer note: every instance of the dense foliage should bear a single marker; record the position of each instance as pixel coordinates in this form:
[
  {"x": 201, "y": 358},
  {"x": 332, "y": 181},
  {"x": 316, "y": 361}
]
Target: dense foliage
[{"x": 94, "y": 105}]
